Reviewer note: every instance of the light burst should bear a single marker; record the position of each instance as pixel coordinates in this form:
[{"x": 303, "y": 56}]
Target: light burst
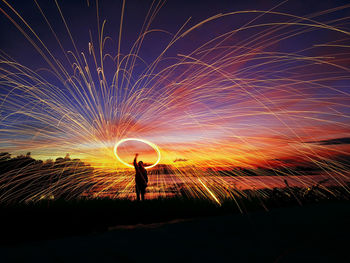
[{"x": 252, "y": 97}]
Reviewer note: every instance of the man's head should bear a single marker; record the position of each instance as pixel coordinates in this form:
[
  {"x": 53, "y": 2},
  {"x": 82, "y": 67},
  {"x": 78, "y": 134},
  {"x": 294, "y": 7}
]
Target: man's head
[{"x": 141, "y": 163}]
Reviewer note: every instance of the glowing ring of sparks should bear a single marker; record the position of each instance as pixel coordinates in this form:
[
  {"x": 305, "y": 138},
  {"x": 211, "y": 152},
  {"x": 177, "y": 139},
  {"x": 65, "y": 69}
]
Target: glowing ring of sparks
[{"x": 155, "y": 147}]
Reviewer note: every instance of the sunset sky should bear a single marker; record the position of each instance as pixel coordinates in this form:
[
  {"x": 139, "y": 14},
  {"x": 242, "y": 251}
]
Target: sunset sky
[{"x": 258, "y": 83}]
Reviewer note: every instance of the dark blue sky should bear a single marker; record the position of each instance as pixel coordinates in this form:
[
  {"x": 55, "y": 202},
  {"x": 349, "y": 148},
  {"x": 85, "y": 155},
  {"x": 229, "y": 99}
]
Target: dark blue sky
[{"x": 81, "y": 18}]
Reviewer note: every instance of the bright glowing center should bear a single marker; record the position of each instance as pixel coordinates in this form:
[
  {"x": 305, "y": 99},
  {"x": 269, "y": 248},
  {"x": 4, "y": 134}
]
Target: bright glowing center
[{"x": 155, "y": 147}]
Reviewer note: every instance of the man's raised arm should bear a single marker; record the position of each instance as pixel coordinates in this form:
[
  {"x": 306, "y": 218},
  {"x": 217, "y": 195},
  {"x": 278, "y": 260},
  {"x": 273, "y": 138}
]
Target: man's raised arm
[{"x": 135, "y": 160}]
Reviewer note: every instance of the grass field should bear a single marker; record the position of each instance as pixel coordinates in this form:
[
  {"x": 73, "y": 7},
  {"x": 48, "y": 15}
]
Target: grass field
[
  {"x": 315, "y": 232},
  {"x": 47, "y": 219}
]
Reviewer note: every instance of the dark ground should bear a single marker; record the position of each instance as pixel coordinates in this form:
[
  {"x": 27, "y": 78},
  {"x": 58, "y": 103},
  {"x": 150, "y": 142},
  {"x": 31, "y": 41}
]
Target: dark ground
[{"x": 316, "y": 232}]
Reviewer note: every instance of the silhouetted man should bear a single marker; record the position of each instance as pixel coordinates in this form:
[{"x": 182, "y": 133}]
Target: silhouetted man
[{"x": 141, "y": 179}]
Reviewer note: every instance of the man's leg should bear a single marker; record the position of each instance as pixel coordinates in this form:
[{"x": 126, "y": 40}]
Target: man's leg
[
  {"x": 143, "y": 191},
  {"x": 137, "y": 192}
]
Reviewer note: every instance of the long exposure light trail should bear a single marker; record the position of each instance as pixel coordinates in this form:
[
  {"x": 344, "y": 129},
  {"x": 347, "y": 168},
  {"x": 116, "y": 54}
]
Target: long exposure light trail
[
  {"x": 139, "y": 140},
  {"x": 236, "y": 100}
]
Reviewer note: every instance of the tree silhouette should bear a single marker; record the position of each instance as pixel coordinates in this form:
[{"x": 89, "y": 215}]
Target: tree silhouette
[{"x": 23, "y": 178}]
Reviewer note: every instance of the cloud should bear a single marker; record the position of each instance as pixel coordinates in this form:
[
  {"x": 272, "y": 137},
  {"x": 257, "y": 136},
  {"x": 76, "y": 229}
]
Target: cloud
[
  {"x": 180, "y": 160},
  {"x": 337, "y": 141}
]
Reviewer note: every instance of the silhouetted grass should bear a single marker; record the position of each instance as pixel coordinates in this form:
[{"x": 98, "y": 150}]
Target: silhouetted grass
[{"x": 58, "y": 218}]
